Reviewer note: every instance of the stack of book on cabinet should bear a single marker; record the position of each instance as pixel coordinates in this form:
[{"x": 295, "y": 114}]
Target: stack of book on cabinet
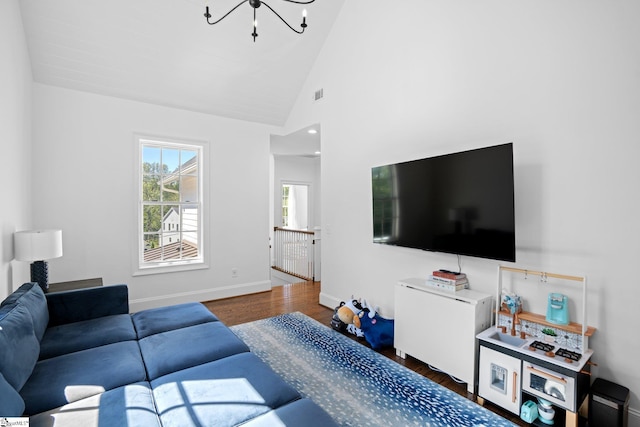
[{"x": 448, "y": 280}]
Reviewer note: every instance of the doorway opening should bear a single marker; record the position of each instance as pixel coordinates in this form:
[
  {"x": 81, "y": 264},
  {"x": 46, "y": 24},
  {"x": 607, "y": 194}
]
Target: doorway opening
[{"x": 295, "y": 206}]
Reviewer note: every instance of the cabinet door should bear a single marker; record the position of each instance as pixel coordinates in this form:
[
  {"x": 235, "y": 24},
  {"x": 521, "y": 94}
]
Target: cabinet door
[
  {"x": 437, "y": 330},
  {"x": 500, "y": 379}
]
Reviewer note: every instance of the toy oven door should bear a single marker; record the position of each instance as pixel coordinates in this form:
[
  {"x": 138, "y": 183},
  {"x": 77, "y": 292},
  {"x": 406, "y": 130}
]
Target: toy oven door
[{"x": 549, "y": 385}]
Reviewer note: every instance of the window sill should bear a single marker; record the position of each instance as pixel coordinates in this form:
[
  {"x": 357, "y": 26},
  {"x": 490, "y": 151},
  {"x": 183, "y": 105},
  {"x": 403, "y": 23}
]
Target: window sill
[{"x": 170, "y": 268}]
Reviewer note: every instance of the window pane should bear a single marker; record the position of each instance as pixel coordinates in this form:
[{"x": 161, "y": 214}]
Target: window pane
[
  {"x": 150, "y": 157},
  {"x": 189, "y": 250},
  {"x": 190, "y": 243},
  {"x": 171, "y": 246},
  {"x": 189, "y": 189},
  {"x": 170, "y": 218},
  {"x": 151, "y": 218},
  {"x": 170, "y": 160},
  {"x": 190, "y": 218},
  {"x": 151, "y": 188},
  {"x": 151, "y": 241},
  {"x": 152, "y": 249},
  {"x": 189, "y": 162},
  {"x": 285, "y": 205},
  {"x": 170, "y": 189},
  {"x": 190, "y": 230}
]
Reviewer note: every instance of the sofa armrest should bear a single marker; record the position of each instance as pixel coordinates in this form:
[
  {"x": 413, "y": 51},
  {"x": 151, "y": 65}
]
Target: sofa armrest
[{"x": 89, "y": 303}]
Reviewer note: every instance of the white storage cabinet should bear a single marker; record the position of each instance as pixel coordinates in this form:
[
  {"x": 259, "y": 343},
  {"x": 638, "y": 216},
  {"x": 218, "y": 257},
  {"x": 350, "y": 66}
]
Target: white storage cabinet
[{"x": 440, "y": 328}]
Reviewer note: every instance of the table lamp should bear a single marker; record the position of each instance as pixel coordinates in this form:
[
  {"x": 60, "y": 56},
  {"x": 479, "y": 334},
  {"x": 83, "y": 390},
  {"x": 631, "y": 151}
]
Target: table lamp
[{"x": 38, "y": 246}]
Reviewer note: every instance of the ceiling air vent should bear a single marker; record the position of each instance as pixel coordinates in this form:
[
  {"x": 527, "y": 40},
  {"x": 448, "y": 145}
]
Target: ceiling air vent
[{"x": 318, "y": 94}]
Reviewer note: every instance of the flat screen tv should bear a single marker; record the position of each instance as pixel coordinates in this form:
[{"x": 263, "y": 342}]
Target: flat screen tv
[{"x": 460, "y": 203}]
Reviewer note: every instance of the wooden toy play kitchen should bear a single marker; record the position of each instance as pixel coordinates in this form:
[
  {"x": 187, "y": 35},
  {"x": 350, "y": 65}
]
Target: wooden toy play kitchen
[{"x": 530, "y": 359}]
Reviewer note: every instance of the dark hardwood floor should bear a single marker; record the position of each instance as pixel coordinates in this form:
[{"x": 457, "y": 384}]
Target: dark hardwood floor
[{"x": 303, "y": 297}]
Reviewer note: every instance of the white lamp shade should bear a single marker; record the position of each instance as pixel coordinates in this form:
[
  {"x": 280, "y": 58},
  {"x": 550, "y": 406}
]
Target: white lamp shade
[{"x": 38, "y": 245}]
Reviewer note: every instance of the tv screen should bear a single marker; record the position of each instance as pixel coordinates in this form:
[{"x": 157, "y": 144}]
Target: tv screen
[{"x": 460, "y": 203}]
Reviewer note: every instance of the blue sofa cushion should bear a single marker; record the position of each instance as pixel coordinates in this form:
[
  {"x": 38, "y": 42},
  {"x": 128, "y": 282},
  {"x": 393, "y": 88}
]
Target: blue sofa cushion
[
  {"x": 70, "y": 337},
  {"x": 90, "y": 303},
  {"x": 33, "y": 298},
  {"x": 70, "y": 377},
  {"x": 15, "y": 295},
  {"x": 225, "y": 392},
  {"x": 163, "y": 319},
  {"x": 19, "y": 346},
  {"x": 302, "y": 412},
  {"x": 11, "y": 404},
  {"x": 129, "y": 406},
  {"x": 186, "y": 347}
]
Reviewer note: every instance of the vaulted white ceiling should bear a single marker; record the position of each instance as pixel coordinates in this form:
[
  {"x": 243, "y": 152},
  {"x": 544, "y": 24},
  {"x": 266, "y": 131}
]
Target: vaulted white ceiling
[{"x": 163, "y": 52}]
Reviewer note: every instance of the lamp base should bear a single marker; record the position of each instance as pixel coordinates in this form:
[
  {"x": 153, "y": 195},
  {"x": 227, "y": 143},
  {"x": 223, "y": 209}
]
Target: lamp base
[{"x": 40, "y": 274}]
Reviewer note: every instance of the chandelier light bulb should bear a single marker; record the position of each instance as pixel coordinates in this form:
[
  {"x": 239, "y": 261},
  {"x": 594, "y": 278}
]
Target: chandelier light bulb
[
  {"x": 255, "y": 30},
  {"x": 255, "y": 4}
]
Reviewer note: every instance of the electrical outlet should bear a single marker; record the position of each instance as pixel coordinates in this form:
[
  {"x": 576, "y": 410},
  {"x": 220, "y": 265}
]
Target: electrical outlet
[{"x": 234, "y": 272}]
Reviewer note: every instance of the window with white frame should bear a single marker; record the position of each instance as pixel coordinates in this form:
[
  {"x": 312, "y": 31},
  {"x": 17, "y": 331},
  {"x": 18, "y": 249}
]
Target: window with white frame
[
  {"x": 170, "y": 214},
  {"x": 295, "y": 200}
]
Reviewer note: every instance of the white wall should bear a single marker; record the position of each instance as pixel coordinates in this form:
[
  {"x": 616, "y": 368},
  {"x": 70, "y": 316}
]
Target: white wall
[
  {"x": 15, "y": 143},
  {"x": 85, "y": 180},
  {"x": 559, "y": 79}
]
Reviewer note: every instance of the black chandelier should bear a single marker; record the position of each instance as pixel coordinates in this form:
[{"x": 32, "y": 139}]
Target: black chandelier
[{"x": 255, "y": 4}]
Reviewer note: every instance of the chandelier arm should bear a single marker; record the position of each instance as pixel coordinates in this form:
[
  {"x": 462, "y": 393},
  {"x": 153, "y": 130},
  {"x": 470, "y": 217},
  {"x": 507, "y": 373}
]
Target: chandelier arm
[
  {"x": 207, "y": 15},
  {"x": 299, "y": 2},
  {"x": 282, "y": 19}
]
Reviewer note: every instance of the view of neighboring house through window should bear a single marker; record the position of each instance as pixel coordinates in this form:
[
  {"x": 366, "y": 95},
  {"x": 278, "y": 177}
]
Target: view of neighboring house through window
[{"x": 170, "y": 203}]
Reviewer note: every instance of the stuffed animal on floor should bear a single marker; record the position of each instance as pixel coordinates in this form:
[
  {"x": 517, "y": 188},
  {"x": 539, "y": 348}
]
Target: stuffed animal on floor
[
  {"x": 336, "y": 323},
  {"x": 348, "y": 314},
  {"x": 377, "y": 330}
]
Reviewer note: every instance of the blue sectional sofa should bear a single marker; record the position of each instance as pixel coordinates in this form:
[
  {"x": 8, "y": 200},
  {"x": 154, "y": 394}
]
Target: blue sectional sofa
[{"x": 79, "y": 358}]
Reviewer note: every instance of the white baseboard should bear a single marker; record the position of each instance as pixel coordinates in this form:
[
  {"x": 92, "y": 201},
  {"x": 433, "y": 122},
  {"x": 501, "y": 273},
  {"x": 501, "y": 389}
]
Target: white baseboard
[
  {"x": 634, "y": 417},
  {"x": 278, "y": 278},
  {"x": 329, "y": 301},
  {"x": 198, "y": 296}
]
